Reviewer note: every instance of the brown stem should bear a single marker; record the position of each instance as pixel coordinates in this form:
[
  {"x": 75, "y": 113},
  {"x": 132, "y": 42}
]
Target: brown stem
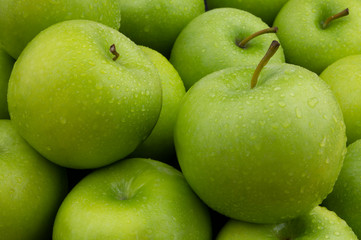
[
  {"x": 243, "y": 43},
  {"x": 333, "y": 17},
  {"x": 114, "y": 52},
  {"x": 270, "y": 52}
]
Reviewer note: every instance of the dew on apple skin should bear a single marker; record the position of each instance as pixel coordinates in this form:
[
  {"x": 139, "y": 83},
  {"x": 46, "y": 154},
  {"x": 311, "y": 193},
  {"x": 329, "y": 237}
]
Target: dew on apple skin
[
  {"x": 282, "y": 104},
  {"x": 298, "y": 113},
  {"x": 312, "y": 102}
]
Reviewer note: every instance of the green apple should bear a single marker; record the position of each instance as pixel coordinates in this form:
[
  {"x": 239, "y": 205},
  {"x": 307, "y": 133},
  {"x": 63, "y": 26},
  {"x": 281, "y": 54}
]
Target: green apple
[
  {"x": 319, "y": 223},
  {"x": 344, "y": 77},
  {"x": 265, "y": 9},
  {"x": 6, "y": 65},
  {"x": 132, "y": 199},
  {"x": 308, "y": 42},
  {"x": 31, "y": 189},
  {"x": 156, "y": 24},
  {"x": 210, "y": 43},
  {"x": 21, "y": 21},
  {"x": 264, "y": 154},
  {"x": 159, "y": 145},
  {"x": 345, "y": 198},
  {"x": 83, "y": 94}
]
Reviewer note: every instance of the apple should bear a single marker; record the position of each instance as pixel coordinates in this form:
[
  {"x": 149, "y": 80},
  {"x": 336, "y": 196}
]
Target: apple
[
  {"x": 6, "y": 65},
  {"x": 264, "y": 152},
  {"x": 135, "y": 198},
  {"x": 83, "y": 94},
  {"x": 31, "y": 189},
  {"x": 265, "y": 9},
  {"x": 319, "y": 223},
  {"x": 159, "y": 144},
  {"x": 345, "y": 199},
  {"x": 210, "y": 43},
  {"x": 344, "y": 77},
  {"x": 21, "y": 21},
  {"x": 156, "y": 24},
  {"x": 309, "y": 42}
]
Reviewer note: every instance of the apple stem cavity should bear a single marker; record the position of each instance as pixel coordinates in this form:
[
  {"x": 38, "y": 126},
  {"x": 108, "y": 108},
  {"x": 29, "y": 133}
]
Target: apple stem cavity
[
  {"x": 333, "y": 17},
  {"x": 114, "y": 52},
  {"x": 270, "y": 52},
  {"x": 244, "y": 42}
]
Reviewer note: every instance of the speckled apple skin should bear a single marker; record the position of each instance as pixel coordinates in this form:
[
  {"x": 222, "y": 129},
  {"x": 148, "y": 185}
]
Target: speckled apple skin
[
  {"x": 76, "y": 105},
  {"x": 262, "y": 155},
  {"x": 307, "y": 44},
  {"x": 208, "y": 44}
]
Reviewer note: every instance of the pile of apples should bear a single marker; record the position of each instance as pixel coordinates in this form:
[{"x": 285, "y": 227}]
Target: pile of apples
[{"x": 182, "y": 119}]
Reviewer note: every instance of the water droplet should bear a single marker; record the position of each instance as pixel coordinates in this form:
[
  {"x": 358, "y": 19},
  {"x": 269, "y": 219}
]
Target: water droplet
[
  {"x": 312, "y": 102},
  {"x": 282, "y": 104},
  {"x": 277, "y": 88},
  {"x": 298, "y": 112}
]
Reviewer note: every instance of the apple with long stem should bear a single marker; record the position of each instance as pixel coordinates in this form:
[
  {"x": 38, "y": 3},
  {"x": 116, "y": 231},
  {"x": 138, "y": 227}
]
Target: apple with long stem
[{"x": 262, "y": 145}]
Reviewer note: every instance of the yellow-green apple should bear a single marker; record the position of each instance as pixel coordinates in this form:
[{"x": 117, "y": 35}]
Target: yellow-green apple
[
  {"x": 319, "y": 223},
  {"x": 83, "y": 94},
  {"x": 344, "y": 77},
  {"x": 314, "y": 35},
  {"x": 345, "y": 199},
  {"x": 21, "y": 21},
  {"x": 262, "y": 151},
  {"x": 212, "y": 41},
  {"x": 31, "y": 189},
  {"x": 157, "y": 23},
  {"x": 133, "y": 199}
]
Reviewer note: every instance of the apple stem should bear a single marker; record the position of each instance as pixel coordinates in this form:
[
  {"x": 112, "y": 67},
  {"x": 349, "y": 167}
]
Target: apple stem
[
  {"x": 114, "y": 52},
  {"x": 270, "y": 52},
  {"x": 333, "y": 17},
  {"x": 243, "y": 43}
]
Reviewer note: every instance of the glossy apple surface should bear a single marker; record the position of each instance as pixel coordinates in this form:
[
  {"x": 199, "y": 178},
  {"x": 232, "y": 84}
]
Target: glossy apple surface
[
  {"x": 307, "y": 43},
  {"x": 157, "y": 23},
  {"x": 6, "y": 65},
  {"x": 266, "y": 154},
  {"x": 345, "y": 198},
  {"x": 76, "y": 105},
  {"x": 21, "y": 21},
  {"x": 31, "y": 189},
  {"x": 159, "y": 144},
  {"x": 319, "y": 223},
  {"x": 209, "y": 43},
  {"x": 344, "y": 77},
  {"x": 265, "y": 9},
  {"x": 133, "y": 199}
]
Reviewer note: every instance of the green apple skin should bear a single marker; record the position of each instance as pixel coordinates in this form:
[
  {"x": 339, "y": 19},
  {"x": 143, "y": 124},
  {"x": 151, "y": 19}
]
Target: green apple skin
[
  {"x": 344, "y": 78},
  {"x": 345, "y": 199},
  {"x": 31, "y": 190},
  {"x": 156, "y": 24},
  {"x": 6, "y": 65},
  {"x": 159, "y": 144},
  {"x": 22, "y": 20},
  {"x": 77, "y": 106},
  {"x": 265, "y": 9},
  {"x": 262, "y": 155},
  {"x": 319, "y": 223},
  {"x": 209, "y": 43},
  {"x": 135, "y": 198},
  {"x": 307, "y": 44}
]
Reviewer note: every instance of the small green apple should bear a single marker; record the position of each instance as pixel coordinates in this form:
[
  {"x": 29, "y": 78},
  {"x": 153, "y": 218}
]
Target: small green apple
[
  {"x": 159, "y": 144},
  {"x": 210, "y": 43},
  {"x": 21, "y": 21},
  {"x": 264, "y": 154},
  {"x": 344, "y": 77},
  {"x": 83, "y": 94},
  {"x": 31, "y": 189},
  {"x": 319, "y": 223},
  {"x": 345, "y": 198},
  {"x": 157, "y": 23},
  {"x": 133, "y": 199},
  {"x": 265, "y": 9},
  {"x": 309, "y": 42},
  {"x": 6, "y": 65}
]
